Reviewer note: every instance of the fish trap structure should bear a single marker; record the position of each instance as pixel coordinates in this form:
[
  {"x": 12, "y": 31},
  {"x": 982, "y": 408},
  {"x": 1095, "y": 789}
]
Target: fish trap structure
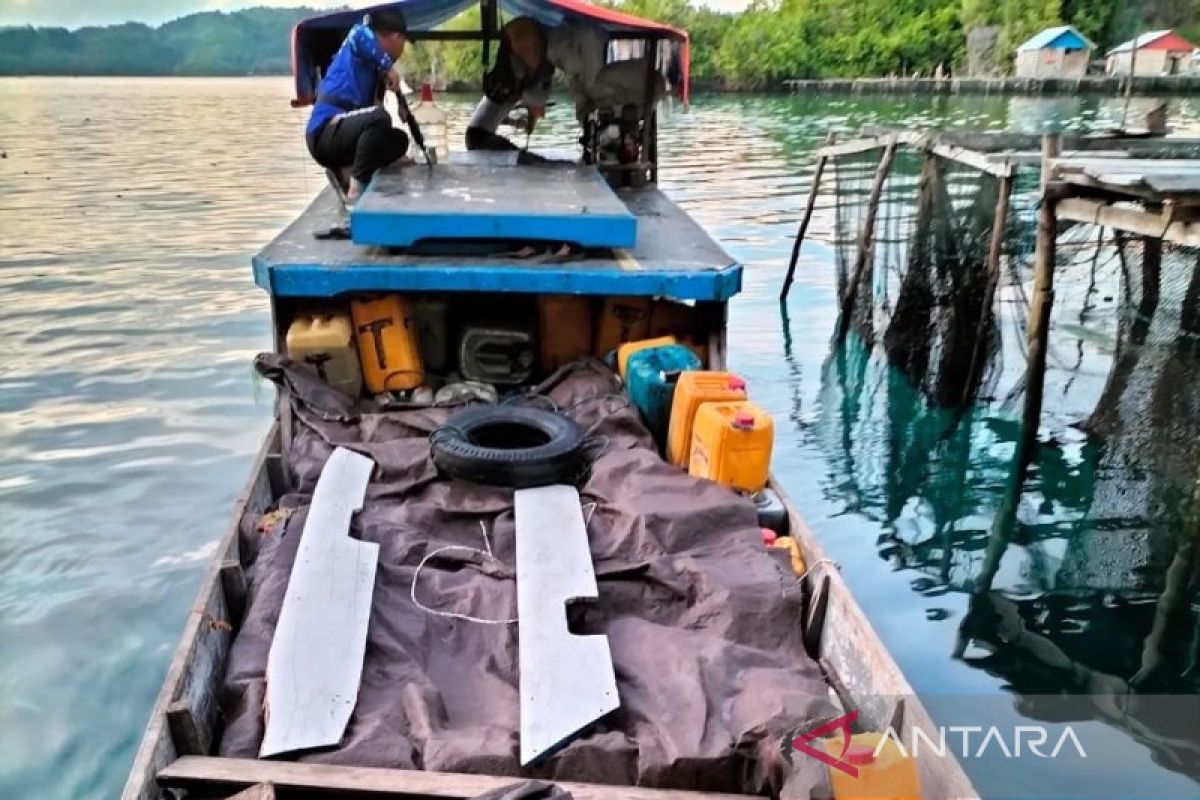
[
  {"x": 945, "y": 258},
  {"x": 1056, "y": 278}
]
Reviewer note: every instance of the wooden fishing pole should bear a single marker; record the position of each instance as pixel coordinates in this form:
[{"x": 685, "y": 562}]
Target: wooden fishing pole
[{"x": 830, "y": 137}]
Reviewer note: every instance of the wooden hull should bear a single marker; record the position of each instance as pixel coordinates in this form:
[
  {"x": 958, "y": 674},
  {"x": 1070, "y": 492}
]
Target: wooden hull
[{"x": 179, "y": 738}]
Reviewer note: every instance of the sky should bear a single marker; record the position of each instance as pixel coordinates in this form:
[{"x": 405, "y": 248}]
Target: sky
[{"x": 77, "y": 13}]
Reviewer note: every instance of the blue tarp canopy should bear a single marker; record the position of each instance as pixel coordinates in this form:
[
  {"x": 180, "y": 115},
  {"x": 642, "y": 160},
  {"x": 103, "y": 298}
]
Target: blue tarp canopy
[{"x": 314, "y": 40}]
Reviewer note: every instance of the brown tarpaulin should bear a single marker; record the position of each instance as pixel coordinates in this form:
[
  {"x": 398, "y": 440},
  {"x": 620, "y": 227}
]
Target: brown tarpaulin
[{"x": 703, "y": 622}]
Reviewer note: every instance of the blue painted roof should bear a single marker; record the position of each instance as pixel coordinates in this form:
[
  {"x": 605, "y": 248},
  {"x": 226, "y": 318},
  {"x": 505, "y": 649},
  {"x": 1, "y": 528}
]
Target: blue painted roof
[
  {"x": 673, "y": 258},
  {"x": 1061, "y": 37}
]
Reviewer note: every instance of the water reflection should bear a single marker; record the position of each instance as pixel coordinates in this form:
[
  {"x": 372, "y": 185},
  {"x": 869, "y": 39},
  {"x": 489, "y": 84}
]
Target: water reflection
[{"x": 1089, "y": 589}]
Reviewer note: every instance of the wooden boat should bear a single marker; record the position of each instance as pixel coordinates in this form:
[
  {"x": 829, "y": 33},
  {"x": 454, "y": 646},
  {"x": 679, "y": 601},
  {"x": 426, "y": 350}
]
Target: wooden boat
[{"x": 673, "y": 258}]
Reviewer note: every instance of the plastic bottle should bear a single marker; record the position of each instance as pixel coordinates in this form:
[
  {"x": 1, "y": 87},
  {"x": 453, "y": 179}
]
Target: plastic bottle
[{"x": 432, "y": 120}]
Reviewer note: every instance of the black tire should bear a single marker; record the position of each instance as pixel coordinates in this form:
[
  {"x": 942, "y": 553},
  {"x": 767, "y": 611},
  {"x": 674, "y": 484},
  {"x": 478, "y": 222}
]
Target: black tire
[{"x": 515, "y": 446}]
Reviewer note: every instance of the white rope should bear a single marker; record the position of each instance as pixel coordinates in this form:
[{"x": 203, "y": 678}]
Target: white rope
[
  {"x": 818, "y": 563},
  {"x": 486, "y": 542},
  {"x": 462, "y": 548},
  {"x": 450, "y": 614}
]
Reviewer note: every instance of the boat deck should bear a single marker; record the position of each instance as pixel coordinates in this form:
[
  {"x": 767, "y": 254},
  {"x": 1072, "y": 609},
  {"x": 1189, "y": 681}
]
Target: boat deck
[{"x": 673, "y": 258}]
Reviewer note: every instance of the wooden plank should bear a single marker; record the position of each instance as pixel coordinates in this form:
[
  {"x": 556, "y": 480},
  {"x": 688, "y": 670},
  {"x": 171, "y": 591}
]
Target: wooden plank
[
  {"x": 190, "y": 735},
  {"x": 261, "y": 791},
  {"x": 1093, "y": 162},
  {"x": 1174, "y": 184},
  {"x": 866, "y": 673},
  {"x": 973, "y": 158},
  {"x": 996, "y": 142},
  {"x": 1130, "y": 220},
  {"x": 315, "y": 664},
  {"x": 190, "y": 673},
  {"x": 199, "y": 771},
  {"x": 1034, "y": 157},
  {"x": 567, "y": 681},
  {"x": 852, "y": 147},
  {"x": 233, "y": 584}
]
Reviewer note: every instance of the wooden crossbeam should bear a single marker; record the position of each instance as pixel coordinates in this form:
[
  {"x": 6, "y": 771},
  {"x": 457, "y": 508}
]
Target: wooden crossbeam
[
  {"x": 238, "y": 773},
  {"x": 852, "y": 147},
  {"x": 1131, "y": 220},
  {"x": 972, "y": 158}
]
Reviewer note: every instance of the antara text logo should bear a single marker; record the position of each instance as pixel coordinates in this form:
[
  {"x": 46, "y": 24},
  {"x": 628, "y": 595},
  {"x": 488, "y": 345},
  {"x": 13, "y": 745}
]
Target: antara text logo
[{"x": 963, "y": 741}]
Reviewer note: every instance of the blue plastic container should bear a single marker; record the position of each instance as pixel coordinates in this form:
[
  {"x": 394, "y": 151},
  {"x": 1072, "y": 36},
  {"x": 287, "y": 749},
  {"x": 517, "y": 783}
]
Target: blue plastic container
[{"x": 650, "y": 378}]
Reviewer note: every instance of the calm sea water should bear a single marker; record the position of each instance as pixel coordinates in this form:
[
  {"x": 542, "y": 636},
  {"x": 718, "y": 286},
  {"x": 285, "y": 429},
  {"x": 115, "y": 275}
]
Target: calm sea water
[{"x": 129, "y": 210}]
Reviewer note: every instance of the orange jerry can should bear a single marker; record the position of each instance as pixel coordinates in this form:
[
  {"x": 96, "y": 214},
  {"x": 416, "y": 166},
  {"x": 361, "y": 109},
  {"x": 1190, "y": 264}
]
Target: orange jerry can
[
  {"x": 885, "y": 772},
  {"x": 731, "y": 444},
  {"x": 629, "y": 348},
  {"x": 623, "y": 319},
  {"x": 692, "y": 389},
  {"x": 387, "y": 343},
  {"x": 565, "y": 329}
]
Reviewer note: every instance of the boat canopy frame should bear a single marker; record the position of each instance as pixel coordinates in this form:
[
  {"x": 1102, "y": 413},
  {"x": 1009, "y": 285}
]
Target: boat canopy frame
[
  {"x": 316, "y": 39},
  {"x": 311, "y": 37}
]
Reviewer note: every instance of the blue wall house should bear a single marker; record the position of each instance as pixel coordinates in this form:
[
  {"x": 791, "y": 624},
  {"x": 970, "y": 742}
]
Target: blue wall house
[{"x": 1059, "y": 52}]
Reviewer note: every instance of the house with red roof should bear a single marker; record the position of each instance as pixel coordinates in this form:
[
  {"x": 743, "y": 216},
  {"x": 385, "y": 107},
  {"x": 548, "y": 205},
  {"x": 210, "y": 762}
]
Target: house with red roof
[{"x": 1153, "y": 53}]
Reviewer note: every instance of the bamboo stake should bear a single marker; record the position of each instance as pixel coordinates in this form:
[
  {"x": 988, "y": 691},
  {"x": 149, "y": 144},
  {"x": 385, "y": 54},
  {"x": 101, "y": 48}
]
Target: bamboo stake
[
  {"x": 808, "y": 212},
  {"x": 1043, "y": 301},
  {"x": 1132, "y": 74},
  {"x": 866, "y": 243},
  {"x": 995, "y": 254}
]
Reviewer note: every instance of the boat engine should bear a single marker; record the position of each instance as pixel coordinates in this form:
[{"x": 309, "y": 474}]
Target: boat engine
[{"x": 611, "y": 140}]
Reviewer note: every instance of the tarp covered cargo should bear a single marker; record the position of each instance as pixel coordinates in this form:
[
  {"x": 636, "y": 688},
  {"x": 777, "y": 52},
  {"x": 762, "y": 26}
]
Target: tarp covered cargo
[{"x": 702, "y": 620}]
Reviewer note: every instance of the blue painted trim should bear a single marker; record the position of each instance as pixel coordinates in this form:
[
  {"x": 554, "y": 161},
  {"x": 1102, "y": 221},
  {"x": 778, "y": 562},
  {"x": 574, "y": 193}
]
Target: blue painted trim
[
  {"x": 396, "y": 229},
  {"x": 314, "y": 280},
  {"x": 262, "y": 274}
]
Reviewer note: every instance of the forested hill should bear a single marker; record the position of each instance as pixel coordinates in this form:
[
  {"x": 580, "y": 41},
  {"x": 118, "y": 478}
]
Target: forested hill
[
  {"x": 770, "y": 41},
  {"x": 249, "y": 42}
]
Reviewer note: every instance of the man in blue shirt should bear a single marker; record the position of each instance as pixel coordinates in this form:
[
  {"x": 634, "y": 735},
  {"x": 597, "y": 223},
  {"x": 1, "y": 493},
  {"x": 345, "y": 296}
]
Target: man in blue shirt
[{"x": 349, "y": 126}]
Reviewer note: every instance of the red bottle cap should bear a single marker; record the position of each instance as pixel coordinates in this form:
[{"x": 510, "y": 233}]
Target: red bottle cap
[
  {"x": 743, "y": 421},
  {"x": 860, "y": 754},
  {"x": 736, "y": 383},
  {"x": 426, "y": 93},
  {"x": 769, "y": 536}
]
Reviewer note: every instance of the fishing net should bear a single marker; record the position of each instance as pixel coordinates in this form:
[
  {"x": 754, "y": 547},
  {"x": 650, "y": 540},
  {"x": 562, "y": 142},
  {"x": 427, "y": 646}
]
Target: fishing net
[
  {"x": 938, "y": 335},
  {"x": 922, "y": 287}
]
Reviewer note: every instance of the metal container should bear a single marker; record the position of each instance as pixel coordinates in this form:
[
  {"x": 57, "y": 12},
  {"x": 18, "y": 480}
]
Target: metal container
[{"x": 496, "y": 354}]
